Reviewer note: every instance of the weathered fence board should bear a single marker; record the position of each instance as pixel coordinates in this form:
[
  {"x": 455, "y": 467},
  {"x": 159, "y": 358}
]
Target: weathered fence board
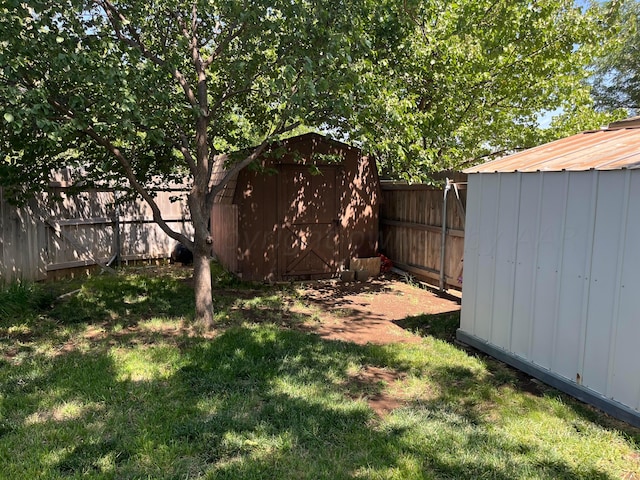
[
  {"x": 45, "y": 238},
  {"x": 20, "y": 236},
  {"x": 411, "y": 230}
]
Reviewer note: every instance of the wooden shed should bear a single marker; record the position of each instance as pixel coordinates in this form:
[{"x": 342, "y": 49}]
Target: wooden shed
[
  {"x": 308, "y": 208},
  {"x": 552, "y": 271}
]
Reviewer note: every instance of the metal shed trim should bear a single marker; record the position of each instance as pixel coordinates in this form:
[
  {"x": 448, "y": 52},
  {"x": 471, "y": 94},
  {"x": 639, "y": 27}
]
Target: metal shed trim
[{"x": 583, "y": 394}]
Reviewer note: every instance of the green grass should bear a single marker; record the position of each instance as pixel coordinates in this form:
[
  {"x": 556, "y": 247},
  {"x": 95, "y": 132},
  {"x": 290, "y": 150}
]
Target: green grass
[{"x": 112, "y": 382}]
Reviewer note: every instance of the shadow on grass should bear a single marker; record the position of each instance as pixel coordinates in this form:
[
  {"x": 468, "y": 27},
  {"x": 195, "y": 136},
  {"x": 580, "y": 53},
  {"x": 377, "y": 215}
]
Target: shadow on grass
[
  {"x": 54, "y": 311},
  {"x": 443, "y": 327},
  {"x": 130, "y": 297},
  {"x": 254, "y": 402}
]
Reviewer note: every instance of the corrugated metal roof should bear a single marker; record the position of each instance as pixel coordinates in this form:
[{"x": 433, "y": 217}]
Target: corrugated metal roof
[{"x": 607, "y": 149}]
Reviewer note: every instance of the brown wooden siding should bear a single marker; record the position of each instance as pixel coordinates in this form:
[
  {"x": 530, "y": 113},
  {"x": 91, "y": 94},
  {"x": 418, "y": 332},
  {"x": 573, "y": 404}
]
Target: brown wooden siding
[
  {"x": 224, "y": 231},
  {"x": 411, "y": 231},
  {"x": 361, "y": 206},
  {"x": 255, "y": 197},
  {"x": 304, "y": 216}
]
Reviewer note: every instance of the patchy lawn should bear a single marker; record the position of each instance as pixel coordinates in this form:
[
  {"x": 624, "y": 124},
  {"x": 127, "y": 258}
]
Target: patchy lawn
[{"x": 112, "y": 382}]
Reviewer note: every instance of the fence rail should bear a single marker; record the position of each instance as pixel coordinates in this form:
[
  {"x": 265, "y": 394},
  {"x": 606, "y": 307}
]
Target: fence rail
[
  {"x": 411, "y": 230},
  {"x": 45, "y": 238}
]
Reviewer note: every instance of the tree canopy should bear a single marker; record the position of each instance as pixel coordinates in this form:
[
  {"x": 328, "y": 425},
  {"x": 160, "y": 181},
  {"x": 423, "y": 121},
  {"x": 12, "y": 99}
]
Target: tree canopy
[
  {"x": 616, "y": 79},
  {"x": 132, "y": 92},
  {"x": 463, "y": 81},
  {"x": 141, "y": 75}
]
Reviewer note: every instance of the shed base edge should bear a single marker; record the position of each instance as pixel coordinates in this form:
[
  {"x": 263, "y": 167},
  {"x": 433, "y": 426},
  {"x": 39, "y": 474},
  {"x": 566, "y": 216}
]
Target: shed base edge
[{"x": 611, "y": 407}]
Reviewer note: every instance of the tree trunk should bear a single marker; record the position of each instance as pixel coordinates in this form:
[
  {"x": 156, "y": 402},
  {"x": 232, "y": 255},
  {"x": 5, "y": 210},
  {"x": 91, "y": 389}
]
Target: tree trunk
[
  {"x": 202, "y": 287},
  {"x": 201, "y": 256}
]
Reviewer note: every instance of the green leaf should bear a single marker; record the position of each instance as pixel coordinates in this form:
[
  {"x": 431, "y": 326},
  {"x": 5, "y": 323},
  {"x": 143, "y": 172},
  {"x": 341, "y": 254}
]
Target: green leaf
[{"x": 455, "y": 83}]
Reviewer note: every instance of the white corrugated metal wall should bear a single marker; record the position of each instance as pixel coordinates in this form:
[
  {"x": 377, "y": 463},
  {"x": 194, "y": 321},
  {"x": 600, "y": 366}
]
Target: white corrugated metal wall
[{"x": 552, "y": 275}]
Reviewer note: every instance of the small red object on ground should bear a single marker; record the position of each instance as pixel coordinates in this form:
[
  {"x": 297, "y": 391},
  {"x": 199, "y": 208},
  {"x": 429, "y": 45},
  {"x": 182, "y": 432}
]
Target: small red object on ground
[{"x": 385, "y": 264}]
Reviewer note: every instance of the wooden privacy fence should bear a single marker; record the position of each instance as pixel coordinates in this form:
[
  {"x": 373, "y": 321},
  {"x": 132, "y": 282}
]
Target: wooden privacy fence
[
  {"x": 411, "y": 230},
  {"x": 47, "y": 238}
]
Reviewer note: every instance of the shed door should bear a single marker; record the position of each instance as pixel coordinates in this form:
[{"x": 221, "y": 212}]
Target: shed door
[{"x": 309, "y": 236}]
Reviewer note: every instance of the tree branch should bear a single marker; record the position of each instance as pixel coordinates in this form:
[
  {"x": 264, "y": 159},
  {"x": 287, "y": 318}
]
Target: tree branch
[
  {"x": 128, "y": 171},
  {"x": 233, "y": 171},
  {"x": 222, "y": 45},
  {"x": 190, "y": 33},
  {"x": 229, "y": 95},
  {"x": 137, "y": 186},
  {"x": 257, "y": 151},
  {"x": 186, "y": 153},
  {"x": 194, "y": 18},
  {"x": 117, "y": 19}
]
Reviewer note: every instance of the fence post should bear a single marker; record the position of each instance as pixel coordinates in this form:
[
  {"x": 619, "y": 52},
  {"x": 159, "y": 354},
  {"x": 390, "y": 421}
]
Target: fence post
[
  {"x": 444, "y": 236},
  {"x": 116, "y": 226}
]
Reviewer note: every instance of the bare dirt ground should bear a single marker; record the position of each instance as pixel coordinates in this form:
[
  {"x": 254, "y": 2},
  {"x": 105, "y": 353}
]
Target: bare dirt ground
[
  {"x": 368, "y": 312},
  {"x": 371, "y": 312}
]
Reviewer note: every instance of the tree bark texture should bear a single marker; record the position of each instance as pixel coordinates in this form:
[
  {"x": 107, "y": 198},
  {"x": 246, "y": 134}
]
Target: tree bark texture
[
  {"x": 202, "y": 288},
  {"x": 201, "y": 256}
]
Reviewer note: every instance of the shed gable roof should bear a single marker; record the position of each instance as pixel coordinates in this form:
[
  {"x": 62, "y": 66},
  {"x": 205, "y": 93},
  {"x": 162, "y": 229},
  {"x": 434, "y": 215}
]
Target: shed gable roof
[
  {"x": 220, "y": 169},
  {"x": 613, "y": 148}
]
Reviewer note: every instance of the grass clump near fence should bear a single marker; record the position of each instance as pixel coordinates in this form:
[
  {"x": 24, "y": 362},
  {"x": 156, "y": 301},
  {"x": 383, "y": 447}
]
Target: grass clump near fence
[
  {"x": 22, "y": 300},
  {"x": 112, "y": 382}
]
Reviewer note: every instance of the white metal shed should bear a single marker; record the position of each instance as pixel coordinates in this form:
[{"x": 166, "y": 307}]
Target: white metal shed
[{"x": 552, "y": 265}]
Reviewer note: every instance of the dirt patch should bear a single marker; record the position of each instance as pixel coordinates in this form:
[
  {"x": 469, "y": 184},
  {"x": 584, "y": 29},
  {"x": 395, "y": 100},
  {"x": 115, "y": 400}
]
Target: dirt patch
[
  {"x": 372, "y": 385},
  {"x": 634, "y": 462},
  {"x": 368, "y": 312}
]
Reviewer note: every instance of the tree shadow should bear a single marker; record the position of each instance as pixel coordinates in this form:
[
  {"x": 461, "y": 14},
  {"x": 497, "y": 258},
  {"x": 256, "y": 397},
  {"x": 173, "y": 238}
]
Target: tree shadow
[
  {"x": 253, "y": 402},
  {"x": 130, "y": 297},
  {"x": 441, "y": 326},
  {"x": 500, "y": 375},
  {"x": 257, "y": 400}
]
